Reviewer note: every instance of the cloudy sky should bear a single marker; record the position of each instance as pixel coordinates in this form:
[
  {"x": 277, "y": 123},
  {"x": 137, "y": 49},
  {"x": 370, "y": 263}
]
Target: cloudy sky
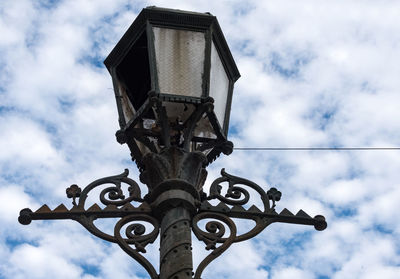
[{"x": 314, "y": 74}]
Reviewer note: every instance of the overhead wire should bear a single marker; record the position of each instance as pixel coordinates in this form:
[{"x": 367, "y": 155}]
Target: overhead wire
[{"x": 313, "y": 148}]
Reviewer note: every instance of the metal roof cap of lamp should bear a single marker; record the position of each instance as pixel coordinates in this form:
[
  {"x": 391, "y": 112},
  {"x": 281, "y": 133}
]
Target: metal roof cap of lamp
[{"x": 173, "y": 76}]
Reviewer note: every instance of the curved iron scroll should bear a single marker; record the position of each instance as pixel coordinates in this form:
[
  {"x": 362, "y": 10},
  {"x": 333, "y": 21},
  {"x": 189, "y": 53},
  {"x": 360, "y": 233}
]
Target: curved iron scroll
[
  {"x": 231, "y": 206},
  {"x": 117, "y": 205},
  {"x": 214, "y": 234},
  {"x": 135, "y": 235},
  {"x": 236, "y": 195},
  {"x": 115, "y": 194},
  {"x": 239, "y": 196},
  {"x": 112, "y": 197}
]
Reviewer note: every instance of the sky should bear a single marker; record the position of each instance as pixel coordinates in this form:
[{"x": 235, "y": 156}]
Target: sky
[{"x": 313, "y": 74}]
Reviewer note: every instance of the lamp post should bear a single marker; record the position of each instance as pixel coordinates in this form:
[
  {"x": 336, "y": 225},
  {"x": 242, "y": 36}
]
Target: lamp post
[{"x": 173, "y": 77}]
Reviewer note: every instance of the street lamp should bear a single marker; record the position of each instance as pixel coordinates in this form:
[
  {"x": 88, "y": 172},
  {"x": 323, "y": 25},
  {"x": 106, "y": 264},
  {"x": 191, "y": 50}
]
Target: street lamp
[{"x": 173, "y": 77}]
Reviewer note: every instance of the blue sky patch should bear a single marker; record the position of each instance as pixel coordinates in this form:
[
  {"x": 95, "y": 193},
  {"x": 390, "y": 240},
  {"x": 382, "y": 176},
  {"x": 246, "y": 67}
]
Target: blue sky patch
[
  {"x": 289, "y": 66},
  {"x": 93, "y": 270}
]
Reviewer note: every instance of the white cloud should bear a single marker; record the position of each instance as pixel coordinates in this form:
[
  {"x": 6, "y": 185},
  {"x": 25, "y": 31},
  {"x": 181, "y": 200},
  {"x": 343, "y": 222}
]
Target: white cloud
[
  {"x": 39, "y": 263},
  {"x": 12, "y": 200},
  {"x": 290, "y": 272},
  {"x": 313, "y": 74},
  {"x": 27, "y": 142}
]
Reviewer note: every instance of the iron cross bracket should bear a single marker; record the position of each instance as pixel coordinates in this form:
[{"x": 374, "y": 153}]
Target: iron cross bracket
[{"x": 231, "y": 204}]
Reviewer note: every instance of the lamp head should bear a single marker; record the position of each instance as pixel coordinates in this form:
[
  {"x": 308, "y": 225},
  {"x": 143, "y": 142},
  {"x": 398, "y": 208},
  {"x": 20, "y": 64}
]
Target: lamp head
[{"x": 173, "y": 77}]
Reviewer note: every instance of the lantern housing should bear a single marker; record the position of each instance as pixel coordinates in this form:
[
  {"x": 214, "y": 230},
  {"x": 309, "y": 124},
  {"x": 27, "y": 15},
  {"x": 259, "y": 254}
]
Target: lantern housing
[{"x": 173, "y": 76}]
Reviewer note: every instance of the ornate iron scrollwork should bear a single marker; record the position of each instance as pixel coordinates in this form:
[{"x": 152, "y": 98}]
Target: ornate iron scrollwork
[
  {"x": 135, "y": 235},
  {"x": 112, "y": 197},
  {"x": 231, "y": 206},
  {"x": 214, "y": 234},
  {"x": 234, "y": 203},
  {"x": 238, "y": 197},
  {"x": 117, "y": 205},
  {"x": 115, "y": 193}
]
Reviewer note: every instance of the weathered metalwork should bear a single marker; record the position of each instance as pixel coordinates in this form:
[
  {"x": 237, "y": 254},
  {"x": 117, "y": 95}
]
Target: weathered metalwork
[
  {"x": 176, "y": 244},
  {"x": 172, "y": 154},
  {"x": 174, "y": 220},
  {"x": 214, "y": 234},
  {"x": 117, "y": 205},
  {"x": 164, "y": 135}
]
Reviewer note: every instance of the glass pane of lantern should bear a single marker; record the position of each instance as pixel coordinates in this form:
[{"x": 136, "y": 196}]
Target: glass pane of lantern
[
  {"x": 205, "y": 131},
  {"x": 219, "y": 85},
  {"x": 150, "y": 125},
  {"x": 178, "y": 112},
  {"x": 180, "y": 61},
  {"x": 133, "y": 73},
  {"x": 127, "y": 108}
]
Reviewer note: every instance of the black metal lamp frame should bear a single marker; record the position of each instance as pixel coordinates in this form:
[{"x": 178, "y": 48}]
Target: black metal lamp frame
[{"x": 130, "y": 133}]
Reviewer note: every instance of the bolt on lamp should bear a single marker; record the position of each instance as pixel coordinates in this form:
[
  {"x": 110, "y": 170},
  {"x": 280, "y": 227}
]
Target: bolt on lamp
[{"x": 173, "y": 77}]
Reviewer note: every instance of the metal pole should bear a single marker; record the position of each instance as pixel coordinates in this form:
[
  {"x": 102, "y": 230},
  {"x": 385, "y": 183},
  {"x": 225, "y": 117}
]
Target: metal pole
[
  {"x": 176, "y": 245},
  {"x": 175, "y": 179}
]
